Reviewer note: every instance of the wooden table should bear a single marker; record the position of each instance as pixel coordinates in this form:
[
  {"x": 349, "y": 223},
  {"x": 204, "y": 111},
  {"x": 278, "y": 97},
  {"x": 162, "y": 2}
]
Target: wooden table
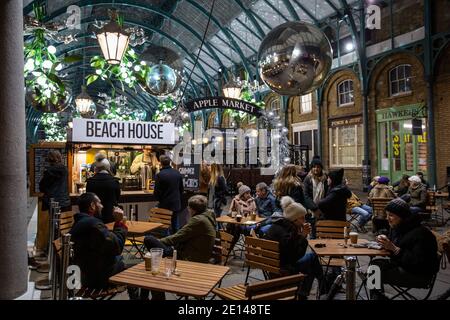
[
  {"x": 194, "y": 279},
  {"x": 245, "y": 221},
  {"x": 137, "y": 229},
  {"x": 334, "y": 248}
]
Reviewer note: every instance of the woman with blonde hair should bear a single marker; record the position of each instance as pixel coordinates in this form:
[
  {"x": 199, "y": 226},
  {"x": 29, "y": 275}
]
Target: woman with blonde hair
[
  {"x": 217, "y": 189},
  {"x": 289, "y": 184}
]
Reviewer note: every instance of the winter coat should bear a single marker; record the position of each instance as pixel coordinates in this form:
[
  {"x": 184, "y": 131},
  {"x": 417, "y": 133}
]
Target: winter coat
[
  {"x": 54, "y": 184},
  {"x": 96, "y": 248},
  {"x": 292, "y": 244},
  {"x": 205, "y": 175},
  {"x": 265, "y": 207},
  {"x": 107, "y": 188},
  {"x": 334, "y": 205},
  {"x": 298, "y": 195},
  {"x": 195, "y": 240},
  {"x": 243, "y": 207},
  {"x": 309, "y": 187},
  {"x": 169, "y": 189},
  {"x": 418, "y": 247},
  {"x": 382, "y": 191},
  {"x": 418, "y": 196},
  {"x": 221, "y": 189}
]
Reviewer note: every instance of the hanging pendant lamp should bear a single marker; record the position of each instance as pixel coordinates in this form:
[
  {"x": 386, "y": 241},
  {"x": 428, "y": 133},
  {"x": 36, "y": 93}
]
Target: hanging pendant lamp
[
  {"x": 113, "y": 40},
  {"x": 84, "y": 103}
]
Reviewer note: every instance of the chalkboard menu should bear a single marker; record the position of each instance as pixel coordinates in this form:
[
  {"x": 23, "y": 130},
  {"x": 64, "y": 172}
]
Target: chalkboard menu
[
  {"x": 38, "y": 162},
  {"x": 191, "y": 176}
]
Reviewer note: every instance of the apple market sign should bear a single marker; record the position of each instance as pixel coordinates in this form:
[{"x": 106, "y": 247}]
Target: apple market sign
[
  {"x": 129, "y": 132},
  {"x": 223, "y": 103}
]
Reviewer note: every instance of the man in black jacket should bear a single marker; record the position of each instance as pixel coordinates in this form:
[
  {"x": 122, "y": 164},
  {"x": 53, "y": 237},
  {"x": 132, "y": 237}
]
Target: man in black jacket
[
  {"x": 291, "y": 232},
  {"x": 106, "y": 187},
  {"x": 97, "y": 251},
  {"x": 334, "y": 205},
  {"x": 414, "y": 252},
  {"x": 169, "y": 189}
]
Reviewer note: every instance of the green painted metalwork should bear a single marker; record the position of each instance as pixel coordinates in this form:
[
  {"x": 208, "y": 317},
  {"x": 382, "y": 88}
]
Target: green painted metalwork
[
  {"x": 140, "y": 5},
  {"x": 248, "y": 29},
  {"x": 225, "y": 32},
  {"x": 252, "y": 19},
  {"x": 276, "y": 10},
  {"x": 243, "y": 41},
  {"x": 307, "y": 12},
  {"x": 291, "y": 10}
]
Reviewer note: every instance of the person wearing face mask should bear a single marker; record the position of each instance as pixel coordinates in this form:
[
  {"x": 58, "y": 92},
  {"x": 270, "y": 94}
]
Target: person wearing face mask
[
  {"x": 97, "y": 251},
  {"x": 291, "y": 231},
  {"x": 414, "y": 251}
]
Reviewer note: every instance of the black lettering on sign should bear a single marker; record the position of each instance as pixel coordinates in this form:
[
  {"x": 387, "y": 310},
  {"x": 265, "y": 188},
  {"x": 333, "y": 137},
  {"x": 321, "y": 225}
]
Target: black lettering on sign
[
  {"x": 160, "y": 131},
  {"x": 98, "y": 129},
  {"x": 113, "y": 132},
  {"x": 154, "y": 132},
  {"x": 121, "y": 130},
  {"x": 89, "y": 128},
  {"x": 138, "y": 130},
  {"x": 131, "y": 130},
  {"x": 105, "y": 131}
]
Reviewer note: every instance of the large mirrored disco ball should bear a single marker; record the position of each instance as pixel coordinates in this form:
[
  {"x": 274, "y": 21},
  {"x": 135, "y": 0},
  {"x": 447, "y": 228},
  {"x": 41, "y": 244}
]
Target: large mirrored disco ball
[
  {"x": 166, "y": 70},
  {"x": 294, "y": 58}
]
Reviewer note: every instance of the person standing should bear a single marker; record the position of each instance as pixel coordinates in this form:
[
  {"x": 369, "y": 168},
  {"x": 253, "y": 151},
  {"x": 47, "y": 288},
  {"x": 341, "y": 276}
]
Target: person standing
[
  {"x": 217, "y": 189},
  {"x": 54, "y": 183},
  {"x": 169, "y": 190},
  {"x": 316, "y": 188},
  {"x": 106, "y": 187},
  {"x": 99, "y": 157},
  {"x": 334, "y": 205}
]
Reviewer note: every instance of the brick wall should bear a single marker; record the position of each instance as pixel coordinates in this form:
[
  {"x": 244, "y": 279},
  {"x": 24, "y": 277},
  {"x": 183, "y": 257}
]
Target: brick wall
[
  {"x": 331, "y": 110},
  {"x": 379, "y": 94},
  {"x": 441, "y": 15}
]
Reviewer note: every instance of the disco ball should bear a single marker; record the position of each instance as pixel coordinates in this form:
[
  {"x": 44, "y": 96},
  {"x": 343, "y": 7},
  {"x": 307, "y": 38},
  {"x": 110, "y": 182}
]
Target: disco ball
[
  {"x": 166, "y": 70},
  {"x": 294, "y": 58}
]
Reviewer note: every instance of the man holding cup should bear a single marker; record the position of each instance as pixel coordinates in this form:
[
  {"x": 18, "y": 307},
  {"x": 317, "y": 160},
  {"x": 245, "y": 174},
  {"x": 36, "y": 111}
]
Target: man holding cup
[{"x": 414, "y": 260}]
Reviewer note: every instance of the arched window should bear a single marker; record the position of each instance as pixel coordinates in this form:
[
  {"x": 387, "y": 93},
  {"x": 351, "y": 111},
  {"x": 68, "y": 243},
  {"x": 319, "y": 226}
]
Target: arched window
[
  {"x": 275, "y": 106},
  {"x": 306, "y": 103},
  {"x": 345, "y": 93},
  {"x": 400, "y": 80}
]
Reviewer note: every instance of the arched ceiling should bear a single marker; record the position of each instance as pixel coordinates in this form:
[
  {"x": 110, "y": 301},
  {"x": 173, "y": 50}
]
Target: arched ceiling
[{"x": 236, "y": 30}]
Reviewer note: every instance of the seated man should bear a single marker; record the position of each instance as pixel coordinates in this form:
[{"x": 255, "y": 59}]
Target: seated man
[
  {"x": 193, "y": 242},
  {"x": 97, "y": 251},
  {"x": 291, "y": 232},
  {"x": 414, "y": 259},
  {"x": 265, "y": 205}
]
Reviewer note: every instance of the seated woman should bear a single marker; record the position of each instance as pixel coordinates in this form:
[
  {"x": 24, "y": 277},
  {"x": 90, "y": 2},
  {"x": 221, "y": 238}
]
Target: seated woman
[
  {"x": 414, "y": 259},
  {"x": 418, "y": 195},
  {"x": 291, "y": 232},
  {"x": 382, "y": 189},
  {"x": 243, "y": 204}
]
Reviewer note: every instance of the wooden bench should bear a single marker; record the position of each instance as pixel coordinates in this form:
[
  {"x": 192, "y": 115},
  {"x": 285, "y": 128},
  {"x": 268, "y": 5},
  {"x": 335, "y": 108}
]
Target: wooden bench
[{"x": 284, "y": 288}]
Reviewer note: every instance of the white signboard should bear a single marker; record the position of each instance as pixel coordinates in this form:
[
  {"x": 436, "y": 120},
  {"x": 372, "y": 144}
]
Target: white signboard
[{"x": 124, "y": 132}]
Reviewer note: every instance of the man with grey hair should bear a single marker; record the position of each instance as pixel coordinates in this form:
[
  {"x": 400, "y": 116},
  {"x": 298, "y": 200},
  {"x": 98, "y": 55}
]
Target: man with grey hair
[
  {"x": 265, "y": 200},
  {"x": 99, "y": 156},
  {"x": 106, "y": 187}
]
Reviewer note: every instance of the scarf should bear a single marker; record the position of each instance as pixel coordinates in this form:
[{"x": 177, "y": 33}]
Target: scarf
[{"x": 318, "y": 190}]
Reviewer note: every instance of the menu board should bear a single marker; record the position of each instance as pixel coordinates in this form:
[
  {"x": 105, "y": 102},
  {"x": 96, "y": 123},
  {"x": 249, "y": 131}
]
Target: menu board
[
  {"x": 38, "y": 162},
  {"x": 191, "y": 176}
]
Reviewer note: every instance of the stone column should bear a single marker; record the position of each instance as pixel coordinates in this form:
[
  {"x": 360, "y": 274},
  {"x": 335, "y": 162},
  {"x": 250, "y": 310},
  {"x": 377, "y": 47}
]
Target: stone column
[{"x": 13, "y": 201}]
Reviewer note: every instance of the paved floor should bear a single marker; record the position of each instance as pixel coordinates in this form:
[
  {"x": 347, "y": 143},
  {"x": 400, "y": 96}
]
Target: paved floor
[{"x": 237, "y": 273}]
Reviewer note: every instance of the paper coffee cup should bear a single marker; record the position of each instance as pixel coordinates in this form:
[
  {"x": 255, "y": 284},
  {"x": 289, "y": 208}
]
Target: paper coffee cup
[
  {"x": 353, "y": 237},
  {"x": 238, "y": 218}
]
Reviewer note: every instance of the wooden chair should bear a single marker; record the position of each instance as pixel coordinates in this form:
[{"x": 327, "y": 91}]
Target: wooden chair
[
  {"x": 85, "y": 292},
  {"x": 264, "y": 255},
  {"x": 331, "y": 229},
  {"x": 379, "y": 216},
  {"x": 284, "y": 288},
  {"x": 157, "y": 215},
  {"x": 222, "y": 247},
  {"x": 431, "y": 206},
  {"x": 66, "y": 221}
]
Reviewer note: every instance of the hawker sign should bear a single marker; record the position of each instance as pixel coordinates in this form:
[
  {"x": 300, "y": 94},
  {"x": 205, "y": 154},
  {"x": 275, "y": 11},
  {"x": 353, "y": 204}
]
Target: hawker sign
[
  {"x": 130, "y": 132},
  {"x": 223, "y": 103}
]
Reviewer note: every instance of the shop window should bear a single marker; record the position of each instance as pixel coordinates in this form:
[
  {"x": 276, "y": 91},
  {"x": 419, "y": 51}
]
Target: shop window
[
  {"x": 306, "y": 103},
  {"x": 345, "y": 93},
  {"x": 400, "y": 80},
  {"x": 347, "y": 146}
]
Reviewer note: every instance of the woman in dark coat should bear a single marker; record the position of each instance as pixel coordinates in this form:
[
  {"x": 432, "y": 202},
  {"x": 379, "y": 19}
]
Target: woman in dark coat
[
  {"x": 217, "y": 189},
  {"x": 106, "y": 187},
  {"x": 334, "y": 205},
  {"x": 414, "y": 253},
  {"x": 54, "y": 183}
]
